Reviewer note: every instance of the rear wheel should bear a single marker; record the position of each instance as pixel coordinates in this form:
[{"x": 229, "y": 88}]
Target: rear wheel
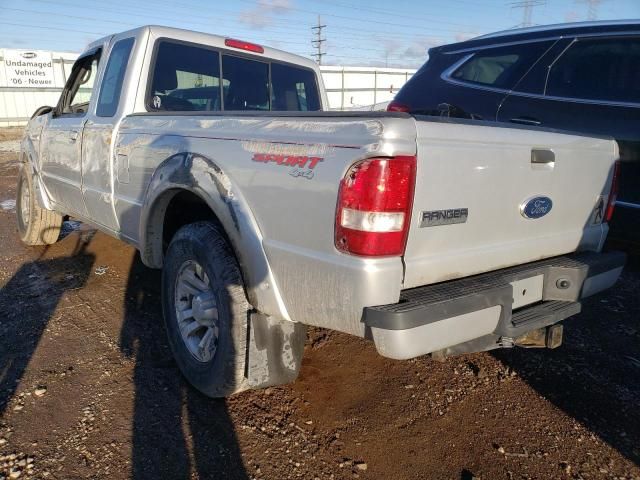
[
  {"x": 206, "y": 310},
  {"x": 36, "y": 225}
]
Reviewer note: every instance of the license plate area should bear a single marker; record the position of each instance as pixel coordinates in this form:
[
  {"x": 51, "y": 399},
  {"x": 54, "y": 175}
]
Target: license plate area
[{"x": 527, "y": 291}]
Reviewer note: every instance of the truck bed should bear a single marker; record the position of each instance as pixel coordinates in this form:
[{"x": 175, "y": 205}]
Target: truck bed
[{"x": 485, "y": 168}]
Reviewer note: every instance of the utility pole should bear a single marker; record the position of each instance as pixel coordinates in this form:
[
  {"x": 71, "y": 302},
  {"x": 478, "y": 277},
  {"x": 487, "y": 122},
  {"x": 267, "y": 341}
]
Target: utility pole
[
  {"x": 317, "y": 43},
  {"x": 592, "y": 6},
  {"x": 527, "y": 10}
]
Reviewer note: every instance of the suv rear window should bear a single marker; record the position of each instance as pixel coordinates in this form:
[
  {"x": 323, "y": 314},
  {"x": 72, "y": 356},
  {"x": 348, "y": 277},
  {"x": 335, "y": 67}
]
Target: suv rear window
[
  {"x": 188, "y": 78},
  {"x": 599, "y": 69},
  {"x": 500, "y": 67}
]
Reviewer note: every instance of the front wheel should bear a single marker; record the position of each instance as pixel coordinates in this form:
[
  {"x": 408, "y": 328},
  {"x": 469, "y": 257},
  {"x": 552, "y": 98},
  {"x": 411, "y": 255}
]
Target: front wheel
[
  {"x": 36, "y": 225},
  {"x": 206, "y": 310}
]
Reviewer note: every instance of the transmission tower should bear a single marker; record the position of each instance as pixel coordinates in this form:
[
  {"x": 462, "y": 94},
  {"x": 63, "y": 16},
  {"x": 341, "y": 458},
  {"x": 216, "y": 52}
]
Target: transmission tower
[
  {"x": 317, "y": 43},
  {"x": 592, "y": 8},
  {"x": 527, "y": 10}
]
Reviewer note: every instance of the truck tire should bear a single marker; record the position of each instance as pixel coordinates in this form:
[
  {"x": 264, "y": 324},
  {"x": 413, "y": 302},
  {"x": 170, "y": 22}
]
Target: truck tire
[
  {"x": 206, "y": 310},
  {"x": 36, "y": 225}
]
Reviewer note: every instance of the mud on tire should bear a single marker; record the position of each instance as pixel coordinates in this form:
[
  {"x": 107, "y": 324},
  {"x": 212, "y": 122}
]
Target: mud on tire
[
  {"x": 36, "y": 225},
  {"x": 201, "y": 250}
]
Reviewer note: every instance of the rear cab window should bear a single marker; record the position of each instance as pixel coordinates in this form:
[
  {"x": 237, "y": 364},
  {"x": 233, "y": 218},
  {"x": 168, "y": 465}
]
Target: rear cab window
[
  {"x": 500, "y": 67},
  {"x": 187, "y": 77}
]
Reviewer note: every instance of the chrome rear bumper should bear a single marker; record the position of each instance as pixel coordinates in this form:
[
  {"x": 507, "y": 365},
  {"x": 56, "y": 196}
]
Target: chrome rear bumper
[{"x": 476, "y": 313}]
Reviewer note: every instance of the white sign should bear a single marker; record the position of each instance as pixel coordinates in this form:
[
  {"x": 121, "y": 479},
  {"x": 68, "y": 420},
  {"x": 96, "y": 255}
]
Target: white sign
[{"x": 28, "y": 69}]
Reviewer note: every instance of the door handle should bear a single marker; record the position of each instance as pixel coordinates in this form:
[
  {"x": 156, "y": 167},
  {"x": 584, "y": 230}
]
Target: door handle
[
  {"x": 73, "y": 136},
  {"x": 526, "y": 121}
]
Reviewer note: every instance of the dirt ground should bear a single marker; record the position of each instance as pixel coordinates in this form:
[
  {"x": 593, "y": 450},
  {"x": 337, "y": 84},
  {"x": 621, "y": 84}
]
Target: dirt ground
[{"x": 88, "y": 389}]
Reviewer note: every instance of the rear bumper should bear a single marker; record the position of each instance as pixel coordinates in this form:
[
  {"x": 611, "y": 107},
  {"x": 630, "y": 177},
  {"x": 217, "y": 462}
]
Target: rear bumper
[{"x": 480, "y": 308}]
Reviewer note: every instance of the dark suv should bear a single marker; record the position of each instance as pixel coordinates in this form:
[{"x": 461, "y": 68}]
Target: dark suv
[{"x": 581, "y": 77}]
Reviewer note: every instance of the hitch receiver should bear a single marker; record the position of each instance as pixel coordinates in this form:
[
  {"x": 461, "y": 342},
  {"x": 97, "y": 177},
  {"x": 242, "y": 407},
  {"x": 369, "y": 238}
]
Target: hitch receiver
[{"x": 546, "y": 337}]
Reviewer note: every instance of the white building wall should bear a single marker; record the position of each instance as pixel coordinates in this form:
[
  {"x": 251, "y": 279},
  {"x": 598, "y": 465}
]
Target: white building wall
[{"x": 347, "y": 87}]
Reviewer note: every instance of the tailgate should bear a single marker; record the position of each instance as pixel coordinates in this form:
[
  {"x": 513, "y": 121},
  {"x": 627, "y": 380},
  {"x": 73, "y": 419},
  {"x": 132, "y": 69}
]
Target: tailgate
[{"x": 492, "y": 197}]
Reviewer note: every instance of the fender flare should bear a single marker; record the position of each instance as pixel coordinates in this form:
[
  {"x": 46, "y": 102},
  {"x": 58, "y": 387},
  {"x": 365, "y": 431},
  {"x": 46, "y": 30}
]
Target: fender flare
[
  {"x": 201, "y": 176},
  {"x": 29, "y": 157}
]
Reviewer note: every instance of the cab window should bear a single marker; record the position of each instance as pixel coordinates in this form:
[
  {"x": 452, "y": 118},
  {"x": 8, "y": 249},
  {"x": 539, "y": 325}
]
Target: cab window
[
  {"x": 602, "y": 69},
  {"x": 77, "y": 92},
  {"x": 185, "y": 78},
  {"x": 113, "y": 78},
  {"x": 247, "y": 84},
  {"x": 293, "y": 89}
]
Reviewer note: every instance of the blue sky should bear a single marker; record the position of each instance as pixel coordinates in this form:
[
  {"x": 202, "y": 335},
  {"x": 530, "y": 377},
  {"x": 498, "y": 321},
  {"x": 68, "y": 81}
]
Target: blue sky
[{"x": 374, "y": 32}]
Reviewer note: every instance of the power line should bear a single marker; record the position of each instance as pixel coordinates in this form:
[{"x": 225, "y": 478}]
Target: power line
[
  {"x": 527, "y": 10},
  {"x": 389, "y": 13},
  {"x": 420, "y": 27},
  {"x": 170, "y": 9},
  {"x": 52, "y": 28},
  {"x": 592, "y": 8},
  {"x": 317, "y": 43}
]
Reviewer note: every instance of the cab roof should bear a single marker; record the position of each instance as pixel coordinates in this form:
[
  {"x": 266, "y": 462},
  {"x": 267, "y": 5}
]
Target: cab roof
[{"x": 210, "y": 39}]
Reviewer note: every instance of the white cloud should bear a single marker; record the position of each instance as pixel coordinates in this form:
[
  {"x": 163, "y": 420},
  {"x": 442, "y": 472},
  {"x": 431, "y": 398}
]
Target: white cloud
[
  {"x": 262, "y": 14},
  {"x": 461, "y": 37},
  {"x": 571, "y": 16}
]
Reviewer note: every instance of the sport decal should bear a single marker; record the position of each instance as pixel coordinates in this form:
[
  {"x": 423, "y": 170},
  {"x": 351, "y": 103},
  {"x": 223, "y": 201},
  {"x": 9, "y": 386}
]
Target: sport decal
[{"x": 303, "y": 166}]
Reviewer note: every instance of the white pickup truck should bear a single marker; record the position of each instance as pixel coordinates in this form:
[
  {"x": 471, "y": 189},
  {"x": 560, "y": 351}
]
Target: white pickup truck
[{"x": 215, "y": 158}]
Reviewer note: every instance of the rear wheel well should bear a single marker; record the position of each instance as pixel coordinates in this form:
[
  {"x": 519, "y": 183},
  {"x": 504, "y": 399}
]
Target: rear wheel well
[{"x": 184, "y": 208}]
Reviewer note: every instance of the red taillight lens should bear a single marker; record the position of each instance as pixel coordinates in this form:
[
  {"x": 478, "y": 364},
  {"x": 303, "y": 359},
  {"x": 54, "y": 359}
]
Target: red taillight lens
[
  {"x": 374, "y": 207},
  {"x": 397, "y": 107},
  {"x": 613, "y": 193},
  {"x": 250, "y": 47}
]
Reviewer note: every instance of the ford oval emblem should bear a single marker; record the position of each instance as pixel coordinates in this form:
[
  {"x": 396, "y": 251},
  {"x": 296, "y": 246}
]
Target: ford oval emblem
[{"x": 536, "y": 207}]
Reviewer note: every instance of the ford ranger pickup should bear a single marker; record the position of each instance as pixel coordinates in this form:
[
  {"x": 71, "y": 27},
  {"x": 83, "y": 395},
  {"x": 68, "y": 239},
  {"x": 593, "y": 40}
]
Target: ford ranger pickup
[{"x": 218, "y": 160}]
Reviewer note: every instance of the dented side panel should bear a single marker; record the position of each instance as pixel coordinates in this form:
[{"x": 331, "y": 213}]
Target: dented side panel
[{"x": 273, "y": 183}]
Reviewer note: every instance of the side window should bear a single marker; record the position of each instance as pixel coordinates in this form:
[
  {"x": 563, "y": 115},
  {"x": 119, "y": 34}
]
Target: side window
[
  {"x": 246, "y": 84},
  {"x": 293, "y": 89},
  {"x": 185, "y": 78},
  {"x": 113, "y": 77},
  {"x": 501, "y": 67},
  {"x": 77, "y": 92},
  {"x": 602, "y": 69}
]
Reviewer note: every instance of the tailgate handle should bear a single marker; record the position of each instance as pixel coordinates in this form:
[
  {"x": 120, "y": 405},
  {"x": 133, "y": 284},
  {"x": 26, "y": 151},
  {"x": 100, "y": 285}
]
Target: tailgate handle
[{"x": 542, "y": 156}]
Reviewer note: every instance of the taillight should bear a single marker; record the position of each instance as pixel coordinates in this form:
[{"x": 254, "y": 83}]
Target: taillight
[
  {"x": 374, "y": 207},
  {"x": 250, "y": 47},
  {"x": 613, "y": 193},
  {"x": 397, "y": 107}
]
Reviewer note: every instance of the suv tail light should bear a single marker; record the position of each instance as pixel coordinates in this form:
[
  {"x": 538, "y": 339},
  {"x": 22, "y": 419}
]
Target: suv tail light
[
  {"x": 397, "y": 107},
  {"x": 613, "y": 193},
  {"x": 374, "y": 207}
]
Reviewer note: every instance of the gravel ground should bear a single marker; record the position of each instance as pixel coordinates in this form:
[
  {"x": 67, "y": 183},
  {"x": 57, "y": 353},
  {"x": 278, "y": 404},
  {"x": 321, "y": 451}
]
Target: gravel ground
[
  {"x": 12, "y": 146},
  {"x": 10, "y": 139},
  {"x": 88, "y": 389}
]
